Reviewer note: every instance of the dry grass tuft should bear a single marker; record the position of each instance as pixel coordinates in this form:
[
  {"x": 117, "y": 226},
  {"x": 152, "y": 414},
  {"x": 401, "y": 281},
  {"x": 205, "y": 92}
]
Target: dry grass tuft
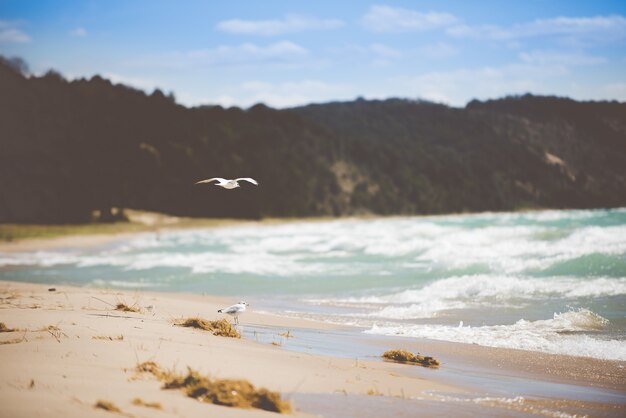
[
  {"x": 141, "y": 402},
  {"x": 49, "y": 328},
  {"x": 402, "y": 356},
  {"x": 106, "y": 337},
  {"x": 154, "y": 369},
  {"x": 13, "y": 341},
  {"x": 221, "y": 328},
  {"x": 4, "y": 328},
  {"x": 107, "y": 406},
  {"x": 227, "y": 392},
  {"x": 125, "y": 308}
]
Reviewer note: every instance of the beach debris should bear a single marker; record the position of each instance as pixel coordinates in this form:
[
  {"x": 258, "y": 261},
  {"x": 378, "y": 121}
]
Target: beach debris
[
  {"x": 238, "y": 393},
  {"x": 52, "y": 289},
  {"x": 54, "y": 331},
  {"x": 221, "y": 328},
  {"x": 141, "y": 402},
  {"x": 286, "y": 334},
  {"x": 374, "y": 392},
  {"x": 106, "y": 337},
  {"x": 402, "y": 356},
  {"x": 4, "y": 328},
  {"x": 13, "y": 341},
  {"x": 125, "y": 308},
  {"x": 31, "y": 385},
  {"x": 107, "y": 406}
]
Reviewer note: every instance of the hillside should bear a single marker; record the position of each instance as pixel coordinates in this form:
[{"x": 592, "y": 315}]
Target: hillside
[{"x": 69, "y": 148}]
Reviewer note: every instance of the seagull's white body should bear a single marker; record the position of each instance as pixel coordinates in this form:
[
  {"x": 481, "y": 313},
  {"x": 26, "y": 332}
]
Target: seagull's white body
[
  {"x": 227, "y": 183},
  {"x": 235, "y": 310}
]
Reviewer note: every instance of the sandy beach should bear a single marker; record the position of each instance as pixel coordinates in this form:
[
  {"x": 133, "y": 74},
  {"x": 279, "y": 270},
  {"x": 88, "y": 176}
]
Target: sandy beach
[{"x": 71, "y": 348}]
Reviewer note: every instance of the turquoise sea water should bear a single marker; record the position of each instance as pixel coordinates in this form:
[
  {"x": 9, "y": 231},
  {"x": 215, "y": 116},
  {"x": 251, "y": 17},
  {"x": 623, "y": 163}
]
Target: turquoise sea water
[{"x": 552, "y": 281}]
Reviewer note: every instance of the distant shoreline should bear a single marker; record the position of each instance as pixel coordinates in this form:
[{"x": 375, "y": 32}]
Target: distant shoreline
[{"x": 29, "y": 237}]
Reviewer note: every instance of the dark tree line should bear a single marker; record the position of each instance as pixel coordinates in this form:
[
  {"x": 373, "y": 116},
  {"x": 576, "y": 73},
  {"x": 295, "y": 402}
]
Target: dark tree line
[{"x": 69, "y": 148}]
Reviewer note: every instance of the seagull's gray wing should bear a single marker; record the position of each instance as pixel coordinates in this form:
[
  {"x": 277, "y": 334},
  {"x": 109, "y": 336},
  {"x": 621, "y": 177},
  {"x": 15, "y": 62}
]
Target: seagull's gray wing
[
  {"x": 232, "y": 309},
  {"x": 219, "y": 179},
  {"x": 251, "y": 180}
]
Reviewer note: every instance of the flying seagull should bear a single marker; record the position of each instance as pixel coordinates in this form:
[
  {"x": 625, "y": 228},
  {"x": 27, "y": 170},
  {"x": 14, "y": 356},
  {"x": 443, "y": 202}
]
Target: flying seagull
[
  {"x": 235, "y": 310},
  {"x": 228, "y": 184}
]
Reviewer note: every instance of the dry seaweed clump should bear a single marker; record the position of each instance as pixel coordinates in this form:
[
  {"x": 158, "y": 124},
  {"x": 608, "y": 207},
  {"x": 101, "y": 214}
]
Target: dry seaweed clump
[
  {"x": 227, "y": 392},
  {"x": 221, "y": 328},
  {"x": 107, "y": 406},
  {"x": 141, "y": 402},
  {"x": 402, "y": 356},
  {"x": 125, "y": 308},
  {"x": 154, "y": 369},
  {"x": 106, "y": 337},
  {"x": 4, "y": 328}
]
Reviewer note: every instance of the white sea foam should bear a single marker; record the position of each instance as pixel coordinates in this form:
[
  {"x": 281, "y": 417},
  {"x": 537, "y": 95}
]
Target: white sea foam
[
  {"x": 477, "y": 291},
  {"x": 563, "y": 334},
  {"x": 501, "y": 245},
  {"x": 124, "y": 284}
]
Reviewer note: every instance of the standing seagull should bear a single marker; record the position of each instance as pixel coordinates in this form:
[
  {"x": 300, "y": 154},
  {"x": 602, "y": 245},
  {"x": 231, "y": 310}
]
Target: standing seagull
[
  {"x": 235, "y": 310},
  {"x": 228, "y": 184}
]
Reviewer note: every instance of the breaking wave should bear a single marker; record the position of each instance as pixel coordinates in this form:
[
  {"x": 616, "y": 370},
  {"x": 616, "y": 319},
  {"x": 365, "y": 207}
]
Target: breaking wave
[{"x": 569, "y": 333}]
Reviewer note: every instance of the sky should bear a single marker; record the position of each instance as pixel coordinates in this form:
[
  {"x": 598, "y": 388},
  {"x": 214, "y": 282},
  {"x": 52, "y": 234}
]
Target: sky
[{"x": 290, "y": 53}]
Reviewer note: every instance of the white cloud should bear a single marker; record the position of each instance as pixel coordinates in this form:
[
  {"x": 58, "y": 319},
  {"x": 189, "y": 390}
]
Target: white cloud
[
  {"x": 289, "y": 24},
  {"x": 78, "y": 32},
  {"x": 613, "y": 91},
  {"x": 284, "y": 94},
  {"x": 382, "y": 18},
  {"x": 384, "y": 50},
  {"x": 611, "y": 27},
  {"x": 283, "y": 53},
  {"x": 440, "y": 50},
  {"x": 560, "y": 58},
  {"x": 459, "y": 86},
  {"x": 136, "y": 82},
  {"x": 10, "y": 32}
]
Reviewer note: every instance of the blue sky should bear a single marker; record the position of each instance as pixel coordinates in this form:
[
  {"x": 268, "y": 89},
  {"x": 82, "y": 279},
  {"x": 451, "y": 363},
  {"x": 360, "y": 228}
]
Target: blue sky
[{"x": 287, "y": 53}]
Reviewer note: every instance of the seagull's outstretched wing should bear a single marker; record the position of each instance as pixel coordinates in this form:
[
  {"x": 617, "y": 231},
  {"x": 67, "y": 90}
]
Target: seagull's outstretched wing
[
  {"x": 253, "y": 181},
  {"x": 219, "y": 179}
]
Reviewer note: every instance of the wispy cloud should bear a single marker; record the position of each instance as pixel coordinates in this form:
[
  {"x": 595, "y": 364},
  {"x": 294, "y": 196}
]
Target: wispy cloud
[
  {"x": 439, "y": 50},
  {"x": 285, "y": 94},
  {"x": 78, "y": 32},
  {"x": 611, "y": 27},
  {"x": 10, "y": 32},
  {"x": 384, "y": 50},
  {"x": 137, "y": 82},
  {"x": 456, "y": 87},
  {"x": 288, "y": 24},
  {"x": 560, "y": 58},
  {"x": 278, "y": 53},
  {"x": 383, "y": 18}
]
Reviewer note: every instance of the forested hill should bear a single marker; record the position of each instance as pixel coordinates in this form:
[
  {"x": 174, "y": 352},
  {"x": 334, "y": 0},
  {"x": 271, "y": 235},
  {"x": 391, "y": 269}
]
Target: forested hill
[{"x": 69, "y": 148}]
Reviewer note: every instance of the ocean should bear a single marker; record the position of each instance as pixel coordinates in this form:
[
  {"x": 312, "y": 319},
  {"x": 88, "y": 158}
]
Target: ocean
[{"x": 548, "y": 281}]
